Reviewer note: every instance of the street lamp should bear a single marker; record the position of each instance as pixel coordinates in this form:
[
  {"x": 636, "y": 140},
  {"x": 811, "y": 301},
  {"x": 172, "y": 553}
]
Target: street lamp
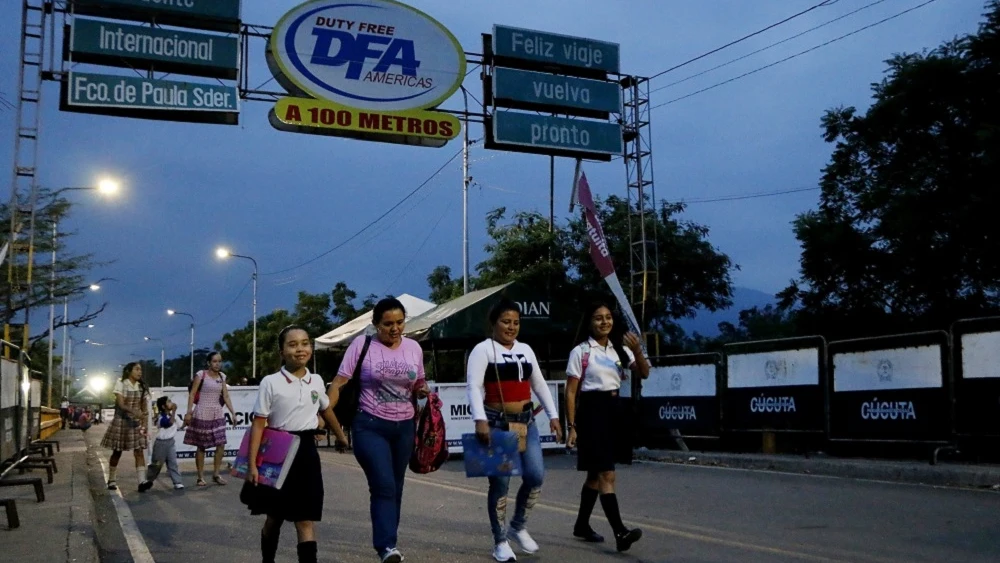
[
  {"x": 172, "y": 312},
  {"x": 107, "y": 187},
  {"x": 224, "y": 253},
  {"x": 66, "y": 349},
  {"x": 162, "y": 354}
]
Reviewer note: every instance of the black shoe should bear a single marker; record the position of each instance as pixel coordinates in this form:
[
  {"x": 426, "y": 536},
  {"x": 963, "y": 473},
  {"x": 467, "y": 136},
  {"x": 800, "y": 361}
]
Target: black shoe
[
  {"x": 588, "y": 535},
  {"x": 625, "y": 540},
  {"x": 145, "y": 486},
  {"x": 112, "y": 485}
]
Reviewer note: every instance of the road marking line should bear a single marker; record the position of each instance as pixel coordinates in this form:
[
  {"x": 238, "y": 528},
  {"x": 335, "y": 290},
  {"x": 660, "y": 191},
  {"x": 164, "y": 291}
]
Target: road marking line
[{"x": 133, "y": 537}]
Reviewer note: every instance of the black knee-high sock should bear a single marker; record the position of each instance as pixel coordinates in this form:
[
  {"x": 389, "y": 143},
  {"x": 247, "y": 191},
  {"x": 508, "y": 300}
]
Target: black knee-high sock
[
  {"x": 588, "y": 499},
  {"x": 269, "y": 546},
  {"x": 610, "y": 503},
  {"x": 307, "y": 552}
]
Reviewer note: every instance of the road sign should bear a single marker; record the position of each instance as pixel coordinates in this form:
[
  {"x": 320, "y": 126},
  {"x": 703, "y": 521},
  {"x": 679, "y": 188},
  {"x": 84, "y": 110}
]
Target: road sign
[
  {"x": 552, "y": 49},
  {"x": 216, "y": 15},
  {"x": 559, "y": 94},
  {"x": 136, "y": 96},
  {"x": 148, "y": 48},
  {"x": 546, "y": 134}
]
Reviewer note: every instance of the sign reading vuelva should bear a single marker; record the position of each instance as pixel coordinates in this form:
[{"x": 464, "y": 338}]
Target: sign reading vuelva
[{"x": 376, "y": 55}]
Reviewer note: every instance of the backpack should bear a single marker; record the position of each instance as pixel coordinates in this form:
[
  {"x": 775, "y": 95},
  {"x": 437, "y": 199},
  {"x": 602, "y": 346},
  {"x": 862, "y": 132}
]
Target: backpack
[
  {"x": 350, "y": 393},
  {"x": 430, "y": 448}
]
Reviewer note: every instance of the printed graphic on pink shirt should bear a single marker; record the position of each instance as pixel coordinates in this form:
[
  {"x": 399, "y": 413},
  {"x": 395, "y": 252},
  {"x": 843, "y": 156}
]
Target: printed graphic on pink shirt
[{"x": 388, "y": 377}]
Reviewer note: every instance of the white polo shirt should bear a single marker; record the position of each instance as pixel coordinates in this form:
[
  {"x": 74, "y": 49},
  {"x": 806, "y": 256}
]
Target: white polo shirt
[
  {"x": 291, "y": 403},
  {"x": 603, "y": 371}
]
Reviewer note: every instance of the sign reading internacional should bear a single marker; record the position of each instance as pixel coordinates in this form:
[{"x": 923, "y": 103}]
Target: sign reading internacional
[
  {"x": 216, "y": 15},
  {"x": 137, "y": 96},
  {"x": 411, "y": 127},
  {"x": 163, "y": 50},
  {"x": 374, "y": 55}
]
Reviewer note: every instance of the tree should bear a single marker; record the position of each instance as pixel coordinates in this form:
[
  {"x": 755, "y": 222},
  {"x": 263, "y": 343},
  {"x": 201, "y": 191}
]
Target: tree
[
  {"x": 71, "y": 270},
  {"x": 520, "y": 251},
  {"x": 443, "y": 288},
  {"x": 905, "y": 237}
]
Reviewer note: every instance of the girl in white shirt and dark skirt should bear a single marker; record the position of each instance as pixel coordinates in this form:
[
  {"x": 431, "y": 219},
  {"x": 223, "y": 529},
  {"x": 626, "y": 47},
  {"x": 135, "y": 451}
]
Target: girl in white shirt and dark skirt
[
  {"x": 594, "y": 375},
  {"x": 290, "y": 401}
]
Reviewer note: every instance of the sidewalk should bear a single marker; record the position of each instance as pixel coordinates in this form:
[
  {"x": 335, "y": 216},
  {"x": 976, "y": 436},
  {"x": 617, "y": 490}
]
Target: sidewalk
[
  {"x": 947, "y": 474},
  {"x": 60, "y": 528}
]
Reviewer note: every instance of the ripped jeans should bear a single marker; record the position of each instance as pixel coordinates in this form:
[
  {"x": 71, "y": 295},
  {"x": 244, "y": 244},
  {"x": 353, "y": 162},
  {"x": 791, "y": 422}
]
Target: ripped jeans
[{"x": 533, "y": 472}]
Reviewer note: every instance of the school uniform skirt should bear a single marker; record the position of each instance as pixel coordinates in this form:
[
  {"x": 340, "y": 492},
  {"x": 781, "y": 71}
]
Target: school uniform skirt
[
  {"x": 602, "y": 431},
  {"x": 300, "y": 497}
]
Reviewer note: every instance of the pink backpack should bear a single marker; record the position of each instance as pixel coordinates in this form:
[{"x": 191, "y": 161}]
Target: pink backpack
[{"x": 430, "y": 449}]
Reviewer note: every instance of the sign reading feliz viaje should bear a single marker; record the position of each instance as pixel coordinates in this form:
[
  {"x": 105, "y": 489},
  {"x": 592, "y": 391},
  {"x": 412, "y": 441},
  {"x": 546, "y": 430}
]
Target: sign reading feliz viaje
[
  {"x": 154, "y": 48},
  {"x": 355, "y": 59}
]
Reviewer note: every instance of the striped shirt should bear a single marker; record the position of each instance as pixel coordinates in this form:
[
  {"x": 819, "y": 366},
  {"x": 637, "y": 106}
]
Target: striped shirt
[{"x": 496, "y": 373}]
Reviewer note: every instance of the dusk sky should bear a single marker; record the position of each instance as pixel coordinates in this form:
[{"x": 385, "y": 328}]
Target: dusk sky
[{"x": 285, "y": 198}]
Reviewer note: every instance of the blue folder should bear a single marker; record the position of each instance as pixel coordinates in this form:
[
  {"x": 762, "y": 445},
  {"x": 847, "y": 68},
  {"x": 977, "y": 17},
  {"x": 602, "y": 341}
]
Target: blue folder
[{"x": 499, "y": 459}]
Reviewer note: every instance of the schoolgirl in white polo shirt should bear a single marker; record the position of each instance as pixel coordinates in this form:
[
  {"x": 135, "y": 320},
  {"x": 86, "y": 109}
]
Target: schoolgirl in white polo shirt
[
  {"x": 290, "y": 400},
  {"x": 597, "y": 369}
]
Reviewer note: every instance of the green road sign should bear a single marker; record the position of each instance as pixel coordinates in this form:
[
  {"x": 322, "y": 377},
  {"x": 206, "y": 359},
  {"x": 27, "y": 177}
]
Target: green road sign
[
  {"x": 554, "y": 49},
  {"x": 559, "y": 94},
  {"x": 136, "y": 96},
  {"x": 148, "y": 48},
  {"x": 543, "y": 133},
  {"x": 218, "y": 15}
]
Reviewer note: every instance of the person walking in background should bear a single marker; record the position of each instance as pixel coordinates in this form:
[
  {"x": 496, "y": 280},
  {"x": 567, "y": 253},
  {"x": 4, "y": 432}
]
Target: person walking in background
[
  {"x": 128, "y": 430},
  {"x": 164, "y": 448},
  {"x": 596, "y": 371},
  {"x": 501, "y": 375},
  {"x": 64, "y": 412},
  {"x": 205, "y": 418},
  {"x": 391, "y": 372},
  {"x": 289, "y": 401}
]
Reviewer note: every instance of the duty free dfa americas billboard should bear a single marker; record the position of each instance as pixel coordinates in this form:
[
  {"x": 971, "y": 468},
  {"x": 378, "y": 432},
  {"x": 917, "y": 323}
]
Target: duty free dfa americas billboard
[{"x": 369, "y": 70}]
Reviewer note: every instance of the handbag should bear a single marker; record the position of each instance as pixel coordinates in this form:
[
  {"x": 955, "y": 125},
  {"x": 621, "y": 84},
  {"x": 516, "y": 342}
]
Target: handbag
[
  {"x": 350, "y": 393},
  {"x": 201, "y": 380},
  {"x": 520, "y": 429}
]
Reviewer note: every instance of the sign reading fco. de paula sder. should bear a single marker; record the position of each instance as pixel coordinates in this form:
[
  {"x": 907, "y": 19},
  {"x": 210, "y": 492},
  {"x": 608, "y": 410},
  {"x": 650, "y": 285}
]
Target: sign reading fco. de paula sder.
[{"x": 364, "y": 58}]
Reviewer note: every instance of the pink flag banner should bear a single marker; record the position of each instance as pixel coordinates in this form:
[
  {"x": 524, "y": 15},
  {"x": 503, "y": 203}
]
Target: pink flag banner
[{"x": 600, "y": 252}]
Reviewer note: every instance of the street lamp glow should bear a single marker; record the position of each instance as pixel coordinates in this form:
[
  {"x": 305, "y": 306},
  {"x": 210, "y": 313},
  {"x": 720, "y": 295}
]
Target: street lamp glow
[
  {"x": 171, "y": 312},
  {"x": 90, "y": 326},
  {"x": 222, "y": 252},
  {"x": 108, "y": 186},
  {"x": 94, "y": 287},
  {"x": 98, "y": 383}
]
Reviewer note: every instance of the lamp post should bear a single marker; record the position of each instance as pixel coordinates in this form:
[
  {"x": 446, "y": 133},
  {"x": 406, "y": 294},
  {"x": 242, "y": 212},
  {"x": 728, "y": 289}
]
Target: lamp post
[
  {"x": 106, "y": 187},
  {"x": 223, "y": 253},
  {"x": 172, "y": 312},
  {"x": 66, "y": 351},
  {"x": 162, "y": 354}
]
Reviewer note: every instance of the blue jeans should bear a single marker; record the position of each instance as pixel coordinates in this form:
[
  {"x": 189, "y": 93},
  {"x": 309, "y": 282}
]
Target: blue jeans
[
  {"x": 383, "y": 450},
  {"x": 533, "y": 472}
]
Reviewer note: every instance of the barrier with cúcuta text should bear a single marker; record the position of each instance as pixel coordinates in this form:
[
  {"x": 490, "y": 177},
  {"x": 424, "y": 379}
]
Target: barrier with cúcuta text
[{"x": 681, "y": 394}]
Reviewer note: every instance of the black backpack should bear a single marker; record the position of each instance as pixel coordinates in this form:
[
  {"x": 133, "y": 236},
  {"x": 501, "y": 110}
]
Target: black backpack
[{"x": 350, "y": 393}]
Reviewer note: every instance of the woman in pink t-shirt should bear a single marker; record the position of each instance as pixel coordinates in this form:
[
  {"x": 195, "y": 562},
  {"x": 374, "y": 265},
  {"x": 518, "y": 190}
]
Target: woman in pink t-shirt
[{"x": 392, "y": 378}]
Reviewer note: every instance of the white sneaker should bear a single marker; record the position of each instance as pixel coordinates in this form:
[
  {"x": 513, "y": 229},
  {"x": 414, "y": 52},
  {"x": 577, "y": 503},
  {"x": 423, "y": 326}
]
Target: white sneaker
[
  {"x": 503, "y": 552},
  {"x": 179, "y": 486},
  {"x": 524, "y": 539},
  {"x": 392, "y": 555}
]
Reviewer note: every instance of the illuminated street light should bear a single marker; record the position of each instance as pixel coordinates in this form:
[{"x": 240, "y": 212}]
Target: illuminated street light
[
  {"x": 98, "y": 383},
  {"x": 94, "y": 287},
  {"x": 223, "y": 253},
  {"x": 107, "y": 186},
  {"x": 172, "y": 312}
]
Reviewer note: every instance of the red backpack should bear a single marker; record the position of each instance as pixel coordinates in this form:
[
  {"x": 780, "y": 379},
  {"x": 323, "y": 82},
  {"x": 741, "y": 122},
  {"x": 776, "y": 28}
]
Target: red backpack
[{"x": 430, "y": 449}]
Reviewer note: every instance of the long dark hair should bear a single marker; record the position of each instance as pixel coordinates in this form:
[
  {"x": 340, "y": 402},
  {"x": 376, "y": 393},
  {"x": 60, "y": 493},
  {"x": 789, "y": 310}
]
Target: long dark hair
[
  {"x": 618, "y": 329},
  {"x": 142, "y": 383}
]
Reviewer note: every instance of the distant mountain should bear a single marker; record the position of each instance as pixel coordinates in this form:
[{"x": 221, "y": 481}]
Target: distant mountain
[{"x": 706, "y": 323}]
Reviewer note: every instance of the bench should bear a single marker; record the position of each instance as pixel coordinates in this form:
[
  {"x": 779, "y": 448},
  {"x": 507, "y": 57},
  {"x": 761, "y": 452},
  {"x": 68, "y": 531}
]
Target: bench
[
  {"x": 40, "y": 449},
  {"x": 28, "y": 466},
  {"x": 43, "y": 460},
  {"x": 50, "y": 443},
  {"x": 35, "y": 482},
  {"x": 11, "y": 505}
]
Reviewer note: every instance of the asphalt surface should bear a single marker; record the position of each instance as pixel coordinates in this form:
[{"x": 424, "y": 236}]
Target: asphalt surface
[{"x": 688, "y": 513}]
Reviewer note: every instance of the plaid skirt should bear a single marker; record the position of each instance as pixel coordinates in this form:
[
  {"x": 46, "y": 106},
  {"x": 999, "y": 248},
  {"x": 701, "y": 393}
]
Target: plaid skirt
[{"x": 124, "y": 434}]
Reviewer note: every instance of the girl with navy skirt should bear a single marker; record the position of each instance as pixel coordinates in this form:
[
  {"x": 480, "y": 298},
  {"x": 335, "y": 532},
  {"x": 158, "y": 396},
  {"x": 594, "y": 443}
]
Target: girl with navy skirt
[{"x": 291, "y": 400}]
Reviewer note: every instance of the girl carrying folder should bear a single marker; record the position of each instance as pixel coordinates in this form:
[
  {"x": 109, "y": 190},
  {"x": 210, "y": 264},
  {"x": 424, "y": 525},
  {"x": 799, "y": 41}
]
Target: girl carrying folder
[{"x": 290, "y": 400}]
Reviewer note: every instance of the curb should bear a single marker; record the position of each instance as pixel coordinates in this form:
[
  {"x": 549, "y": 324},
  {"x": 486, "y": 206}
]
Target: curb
[
  {"x": 81, "y": 544},
  {"x": 109, "y": 539},
  {"x": 947, "y": 475}
]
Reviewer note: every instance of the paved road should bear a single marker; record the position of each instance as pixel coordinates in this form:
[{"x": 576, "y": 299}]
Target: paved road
[{"x": 689, "y": 514}]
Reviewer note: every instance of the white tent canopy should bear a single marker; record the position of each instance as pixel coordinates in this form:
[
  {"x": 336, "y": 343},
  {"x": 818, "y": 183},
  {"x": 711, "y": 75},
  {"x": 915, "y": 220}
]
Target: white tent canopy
[{"x": 345, "y": 333}]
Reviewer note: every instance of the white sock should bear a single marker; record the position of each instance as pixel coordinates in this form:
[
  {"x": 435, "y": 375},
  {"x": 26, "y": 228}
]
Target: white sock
[
  {"x": 112, "y": 471},
  {"x": 140, "y": 474}
]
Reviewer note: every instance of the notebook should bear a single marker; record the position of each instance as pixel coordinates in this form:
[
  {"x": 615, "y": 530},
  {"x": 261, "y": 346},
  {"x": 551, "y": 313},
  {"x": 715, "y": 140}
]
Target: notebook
[
  {"x": 274, "y": 457},
  {"x": 499, "y": 459}
]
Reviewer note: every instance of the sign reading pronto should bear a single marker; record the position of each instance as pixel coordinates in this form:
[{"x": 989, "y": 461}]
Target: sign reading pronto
[
  {"x": 216, "y": 15},
  {"x": 136, "y": 96},
  {"x": 554, "y": 50},
  {"x": 148, "y": 48},
  {"x": 413, "y": 127},
  {"x": 376, "y": 55},
  {"x": 551, "y": 134},
  {"x": 524, "y": 89}
]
